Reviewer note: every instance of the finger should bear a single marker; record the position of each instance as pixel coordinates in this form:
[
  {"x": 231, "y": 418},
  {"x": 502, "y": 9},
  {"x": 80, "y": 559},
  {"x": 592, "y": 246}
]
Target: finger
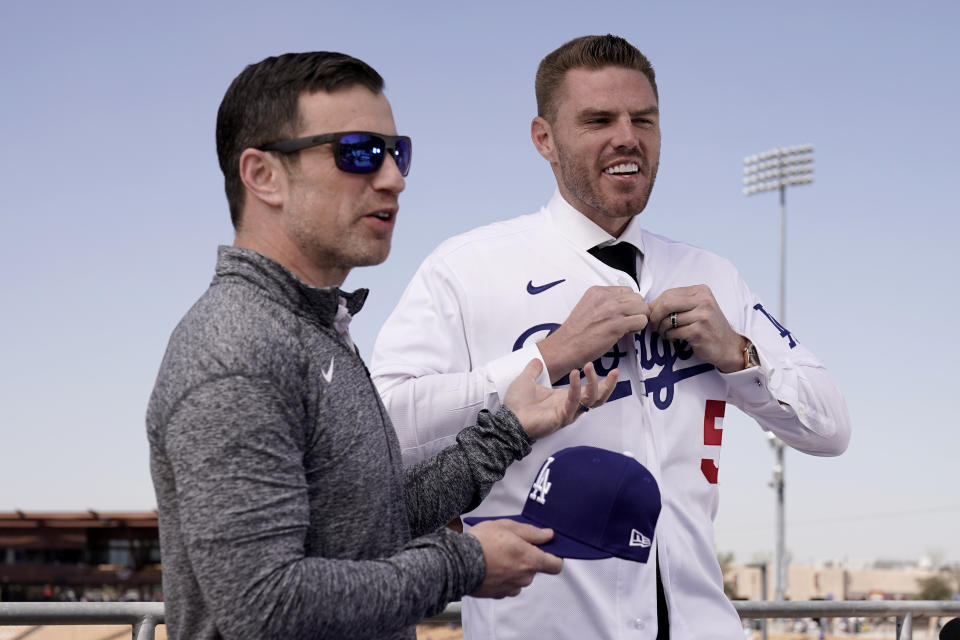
[
  {"x": 527, "y": 532},
  {"x": 589, "y": 395},
  {"x": 674, "y": 320},
  {"x": 550, "y": 563},
  {"x": 658, "y": 314},
  {"x": 633, "y": 304},
  {"x": 680, "y": 299},
  {"x": 661, "y": 306},
  {"x": 607, "y": 386},
  {"x": 617, "y": 290},
  {"x": 597, "y": 292},
  {"x": 658, "y": 309},
  {"x": 688, "y": 291},
  {"x": 525, "y": 578},
  {"x": 635, "y": 323},
  {"x": 532, "y": 370},
  {"x": 671, "y": 321},
  {"x": 634, "y": 316},
  {"x": 572, "y": 406}
]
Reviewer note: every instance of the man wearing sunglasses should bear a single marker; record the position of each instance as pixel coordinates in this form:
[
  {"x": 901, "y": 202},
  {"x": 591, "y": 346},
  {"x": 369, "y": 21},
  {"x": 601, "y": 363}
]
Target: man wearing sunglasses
[
  {"x": 583, "y": 282},
  {"x": 284, "y": 508}
]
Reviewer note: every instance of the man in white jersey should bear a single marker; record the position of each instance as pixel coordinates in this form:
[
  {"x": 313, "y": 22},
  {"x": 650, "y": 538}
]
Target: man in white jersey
[{"x": 581, "y": 281}]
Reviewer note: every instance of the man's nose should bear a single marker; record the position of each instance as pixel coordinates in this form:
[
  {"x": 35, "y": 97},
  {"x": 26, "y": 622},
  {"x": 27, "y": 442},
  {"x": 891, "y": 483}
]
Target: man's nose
[
  {"x": 388, "y": 177},
  {"x": 625, "y": 134}
]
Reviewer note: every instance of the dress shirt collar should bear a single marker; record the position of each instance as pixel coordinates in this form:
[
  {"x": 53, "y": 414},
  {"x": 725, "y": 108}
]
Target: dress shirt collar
[{"x": 584, "y": 232}]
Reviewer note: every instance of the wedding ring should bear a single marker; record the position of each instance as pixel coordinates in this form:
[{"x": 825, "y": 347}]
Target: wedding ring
[{"x": 673, "y": 320}]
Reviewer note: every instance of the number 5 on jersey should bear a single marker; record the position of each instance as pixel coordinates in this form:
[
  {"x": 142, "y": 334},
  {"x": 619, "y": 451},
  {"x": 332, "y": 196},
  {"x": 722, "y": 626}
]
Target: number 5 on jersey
[{"x": 712, "y": 435}]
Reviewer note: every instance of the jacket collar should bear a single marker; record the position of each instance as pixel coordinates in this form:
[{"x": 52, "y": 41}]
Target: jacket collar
[{"x": 279, "y": 284}]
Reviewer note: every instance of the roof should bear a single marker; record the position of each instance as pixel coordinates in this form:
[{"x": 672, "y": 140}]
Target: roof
[{"x": 89, "y": 519}]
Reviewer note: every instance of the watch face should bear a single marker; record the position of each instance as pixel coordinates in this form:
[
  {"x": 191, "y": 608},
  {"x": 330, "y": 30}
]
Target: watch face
[{"x": 753, "y": 358}]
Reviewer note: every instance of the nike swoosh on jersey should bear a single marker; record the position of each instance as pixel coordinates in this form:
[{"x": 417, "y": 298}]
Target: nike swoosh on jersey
[
  {"x": 534, "y": 290},
  {"x": 328, "y": 374}
]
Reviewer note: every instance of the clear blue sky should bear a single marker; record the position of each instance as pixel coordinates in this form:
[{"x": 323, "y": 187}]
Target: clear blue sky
[{"x": 112, "y": 210}]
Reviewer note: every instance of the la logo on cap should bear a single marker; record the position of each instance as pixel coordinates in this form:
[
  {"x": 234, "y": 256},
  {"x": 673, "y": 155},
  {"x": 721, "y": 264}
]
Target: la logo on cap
[
  {"x": 541, "y": 486},
  {"x": 602, "y": 504}
]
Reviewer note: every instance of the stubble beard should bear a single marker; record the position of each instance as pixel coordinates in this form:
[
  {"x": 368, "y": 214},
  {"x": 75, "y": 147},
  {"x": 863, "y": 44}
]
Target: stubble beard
[
  {"x": 328, "y": 244},
  {"x": 345, "y": 252},
  {"x": 578, "y": 179}
]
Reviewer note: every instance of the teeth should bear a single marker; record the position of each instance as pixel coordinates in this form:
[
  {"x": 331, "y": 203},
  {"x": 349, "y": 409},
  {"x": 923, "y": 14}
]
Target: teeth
[
  {"x": 627, "y": 167},
  {"x": 383, "y": 215}
]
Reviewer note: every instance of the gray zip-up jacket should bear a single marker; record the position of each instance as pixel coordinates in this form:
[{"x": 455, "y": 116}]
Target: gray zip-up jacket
[{"x": 284, "y": 508}]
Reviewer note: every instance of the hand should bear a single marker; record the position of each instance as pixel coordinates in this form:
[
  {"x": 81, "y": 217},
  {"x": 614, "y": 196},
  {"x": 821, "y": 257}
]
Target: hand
[
  {"x": 511, "y": 558},
  {"x": 542, "y": 410},
  {"x": 701, "y": 323},
  {"x": 601, "y": 317}
]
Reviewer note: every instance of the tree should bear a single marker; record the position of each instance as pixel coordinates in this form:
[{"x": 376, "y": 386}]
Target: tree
[
  {"x": 954, "y": 572},
  {"x": 935, "y": 587},
  {"x": 726, "y": 560}
]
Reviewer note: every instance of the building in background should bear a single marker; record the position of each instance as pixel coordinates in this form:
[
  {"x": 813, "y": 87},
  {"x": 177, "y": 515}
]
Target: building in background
[
  {"x": 835, "y": 582},
  {"x": 94, "y": 556},
  {"x": 111, "y": 556}
]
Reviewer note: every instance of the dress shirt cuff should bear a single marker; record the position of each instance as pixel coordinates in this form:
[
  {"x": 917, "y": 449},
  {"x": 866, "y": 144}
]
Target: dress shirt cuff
[
  {"x": 764, "y": 390},
  {"x": 502, "y": 371}
]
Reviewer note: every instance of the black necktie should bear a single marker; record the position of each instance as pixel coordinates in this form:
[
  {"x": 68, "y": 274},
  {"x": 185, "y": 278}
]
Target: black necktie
[{"x": 621, "y": 256}]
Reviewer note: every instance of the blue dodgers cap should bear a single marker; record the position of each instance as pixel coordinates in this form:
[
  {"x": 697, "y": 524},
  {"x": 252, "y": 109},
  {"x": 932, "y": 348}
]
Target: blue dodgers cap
[{"x": 599, "y": 503}]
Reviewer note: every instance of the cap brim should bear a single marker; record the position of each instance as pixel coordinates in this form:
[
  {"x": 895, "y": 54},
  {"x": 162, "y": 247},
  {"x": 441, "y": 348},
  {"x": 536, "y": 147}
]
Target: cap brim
[{"x": 560, "y": 545}]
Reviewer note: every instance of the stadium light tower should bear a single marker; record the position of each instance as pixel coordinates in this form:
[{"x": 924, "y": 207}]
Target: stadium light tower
[{"x": 776, "y": 170}]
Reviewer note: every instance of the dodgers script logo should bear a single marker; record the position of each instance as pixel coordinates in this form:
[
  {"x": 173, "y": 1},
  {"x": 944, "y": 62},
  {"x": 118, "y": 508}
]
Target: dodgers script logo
[
  {"x": 541, "y": 487},
  {"x": 663, "y": 353},
  {"x": 653, "y": 352}
]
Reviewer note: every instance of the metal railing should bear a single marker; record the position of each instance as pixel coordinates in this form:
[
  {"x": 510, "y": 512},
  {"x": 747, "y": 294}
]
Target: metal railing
[
  {"x": 903, "y": 611},
  {"x": 144, "y": 617}
]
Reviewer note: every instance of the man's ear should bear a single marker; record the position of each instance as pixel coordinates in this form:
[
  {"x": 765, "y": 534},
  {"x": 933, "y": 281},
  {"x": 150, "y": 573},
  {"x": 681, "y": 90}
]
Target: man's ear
[
  {"x": 263, "y": 176},
  {"x": 542, "y": 135}
]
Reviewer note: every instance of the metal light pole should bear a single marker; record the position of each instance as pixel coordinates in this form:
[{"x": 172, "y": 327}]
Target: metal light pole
[{"x": 778, "y": 169}]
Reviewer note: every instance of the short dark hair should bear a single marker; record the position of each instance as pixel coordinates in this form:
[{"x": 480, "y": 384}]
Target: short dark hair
[
  {"x": 592, "y": 52},
  {"x": 260, "y": 106}
]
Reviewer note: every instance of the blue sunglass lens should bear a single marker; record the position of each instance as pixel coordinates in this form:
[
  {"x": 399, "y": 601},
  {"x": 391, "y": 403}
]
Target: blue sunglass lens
[
  {"x": 361, "y": 153},
  {"x": 364, "y": 153},
  {"x": 402, "y": 153}
]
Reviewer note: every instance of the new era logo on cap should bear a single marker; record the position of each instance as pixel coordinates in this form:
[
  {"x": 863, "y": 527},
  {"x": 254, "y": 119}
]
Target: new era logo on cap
[
  {"x": 637, "y": 539},
  {"x": 599, "y": 503}
]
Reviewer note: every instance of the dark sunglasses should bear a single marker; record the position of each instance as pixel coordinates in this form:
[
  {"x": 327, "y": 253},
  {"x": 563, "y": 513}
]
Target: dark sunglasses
[{"x": 354, "y": 151}]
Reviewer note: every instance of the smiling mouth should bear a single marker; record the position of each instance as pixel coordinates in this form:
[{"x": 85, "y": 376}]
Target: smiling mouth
[
  {"x": 623, "y": 169},
  {"x": 382, "y": 215}
]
